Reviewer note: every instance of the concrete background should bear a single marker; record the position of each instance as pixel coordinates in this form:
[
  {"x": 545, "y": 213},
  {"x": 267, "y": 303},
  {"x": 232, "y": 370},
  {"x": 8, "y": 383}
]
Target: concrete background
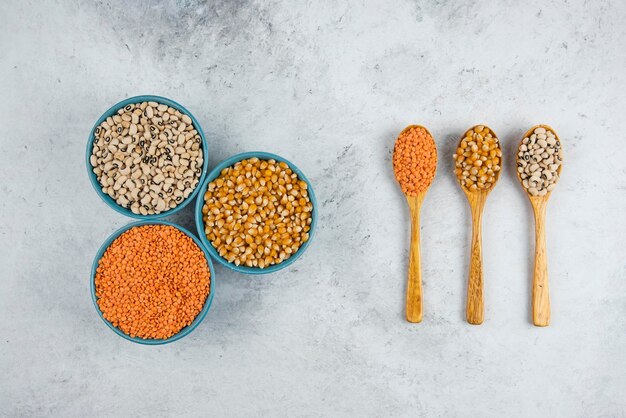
[{"x": 328, "y": 85}]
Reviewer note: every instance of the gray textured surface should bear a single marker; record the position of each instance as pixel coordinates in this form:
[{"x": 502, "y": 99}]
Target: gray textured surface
[{"x": 329, "y": 87}]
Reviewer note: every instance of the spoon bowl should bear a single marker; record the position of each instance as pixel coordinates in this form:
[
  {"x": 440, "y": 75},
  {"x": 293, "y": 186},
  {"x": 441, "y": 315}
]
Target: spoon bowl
[
  {"x": 496, "y": 173},
  {"x": 559, "y": 169}
]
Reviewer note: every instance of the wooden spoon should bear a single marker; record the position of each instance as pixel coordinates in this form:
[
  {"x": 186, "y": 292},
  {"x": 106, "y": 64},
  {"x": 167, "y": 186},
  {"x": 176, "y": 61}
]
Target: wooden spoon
[
  {"x": 540, "y": 292},
  {"x": 475, "y": 307},
  {"x": 414, "y": 309}
]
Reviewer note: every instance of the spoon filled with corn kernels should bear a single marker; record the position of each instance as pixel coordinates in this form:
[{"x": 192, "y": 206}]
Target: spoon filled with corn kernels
[
  {"x": 477, "y": 161},
  {"x": 539, "y": 163},
  {"x": 414, "y": 165}
]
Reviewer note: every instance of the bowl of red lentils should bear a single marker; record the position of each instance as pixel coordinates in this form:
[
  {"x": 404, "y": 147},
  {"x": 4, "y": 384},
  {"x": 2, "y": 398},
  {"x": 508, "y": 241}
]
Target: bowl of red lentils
[
  {"x": 256, "y": 213},
  {"x": 152, "y": 282}
]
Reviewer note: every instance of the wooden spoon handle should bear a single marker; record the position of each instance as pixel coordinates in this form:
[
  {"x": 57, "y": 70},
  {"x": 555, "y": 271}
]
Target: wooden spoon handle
[
  {"x": 541, "y": 295},
  {"x": 475, "y": 308},
  {"x": 414, "y": 286}
]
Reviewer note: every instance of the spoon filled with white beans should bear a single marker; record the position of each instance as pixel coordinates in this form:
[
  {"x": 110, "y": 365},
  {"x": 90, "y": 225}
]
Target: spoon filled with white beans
[{"x": 539, "y": 163}]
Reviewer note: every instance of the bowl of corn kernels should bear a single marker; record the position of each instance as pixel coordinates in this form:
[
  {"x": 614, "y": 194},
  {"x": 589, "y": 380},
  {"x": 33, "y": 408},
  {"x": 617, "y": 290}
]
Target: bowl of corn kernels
[
  {"x": 152, "y": 282},
  {"x": 146, "y": 157},
  {"x": 256, "y": 213}
]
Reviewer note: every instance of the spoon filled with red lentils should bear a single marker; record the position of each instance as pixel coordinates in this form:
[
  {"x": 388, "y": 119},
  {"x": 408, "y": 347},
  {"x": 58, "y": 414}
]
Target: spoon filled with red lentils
[
  {"x": 477, "y": 162},
  {"x": 414, "y": 165}
]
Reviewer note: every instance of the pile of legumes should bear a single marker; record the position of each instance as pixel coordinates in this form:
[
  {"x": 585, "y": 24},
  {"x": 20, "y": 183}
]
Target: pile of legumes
[
  {"x": 478, "y": 159},
  {"x": 257, "y": 213},
  {"x": 538, "y": 161},
  {"x": 147, "y": 157},
  {"x": 415, "y": 160},
  {"x": 152, "y": 281}
]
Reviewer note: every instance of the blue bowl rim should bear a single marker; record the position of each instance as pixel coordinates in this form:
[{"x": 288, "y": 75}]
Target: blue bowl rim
[
  {"x": 200, "y": 203},
  {"x": 183, "y": 332},
  {"x": 113, "y": 110}
]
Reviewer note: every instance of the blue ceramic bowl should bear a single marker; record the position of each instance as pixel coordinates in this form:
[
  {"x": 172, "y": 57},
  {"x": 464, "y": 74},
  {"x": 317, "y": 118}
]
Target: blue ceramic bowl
[
  {"x": 94, "y": 180},
  {"x": 200, "y": 222},
  {"x": 183, "y": 332}
]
